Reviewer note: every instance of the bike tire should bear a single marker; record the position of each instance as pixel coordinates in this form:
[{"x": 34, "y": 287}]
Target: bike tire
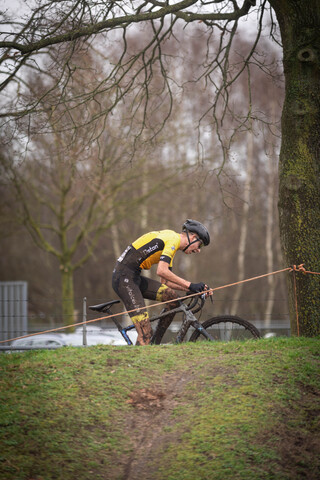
[{"x": 227, "y": 328}]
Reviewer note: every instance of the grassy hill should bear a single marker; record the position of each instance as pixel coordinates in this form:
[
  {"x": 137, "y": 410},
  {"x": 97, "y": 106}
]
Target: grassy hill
[{"x": 193, "y": 412}]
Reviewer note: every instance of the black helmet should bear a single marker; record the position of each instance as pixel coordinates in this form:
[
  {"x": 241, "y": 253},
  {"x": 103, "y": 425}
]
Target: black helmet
[{"x": 197, "y": 227}]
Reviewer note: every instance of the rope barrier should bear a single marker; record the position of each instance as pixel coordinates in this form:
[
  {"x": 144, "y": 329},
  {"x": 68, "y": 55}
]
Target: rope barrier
[
  {"x": 250, "y": 279},
  {"x": 300, "y": 268},
  {"x": 294, "y": 268}
]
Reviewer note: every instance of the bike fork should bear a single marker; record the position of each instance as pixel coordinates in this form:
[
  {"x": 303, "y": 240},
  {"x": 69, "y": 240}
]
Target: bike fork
[
  {"x": 197, "y": 325},
  {"x": 190, "y": 319}
]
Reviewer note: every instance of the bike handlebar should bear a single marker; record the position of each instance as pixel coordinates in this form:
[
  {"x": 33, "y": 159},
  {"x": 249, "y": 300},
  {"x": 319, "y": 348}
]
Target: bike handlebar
[{"x": 197, "y": 300}]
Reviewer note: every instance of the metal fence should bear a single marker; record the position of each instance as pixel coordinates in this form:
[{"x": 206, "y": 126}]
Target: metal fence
[{"x": 13, "y": 309}]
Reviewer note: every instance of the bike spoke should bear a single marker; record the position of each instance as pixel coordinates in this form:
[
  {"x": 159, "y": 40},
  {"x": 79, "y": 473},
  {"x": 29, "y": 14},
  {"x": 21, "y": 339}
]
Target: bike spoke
[{"x": 226, "y": 329}]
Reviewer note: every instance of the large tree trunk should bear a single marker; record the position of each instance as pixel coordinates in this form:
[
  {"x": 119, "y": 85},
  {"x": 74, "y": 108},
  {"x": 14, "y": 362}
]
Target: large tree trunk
[{"x": 299, "y": 194}]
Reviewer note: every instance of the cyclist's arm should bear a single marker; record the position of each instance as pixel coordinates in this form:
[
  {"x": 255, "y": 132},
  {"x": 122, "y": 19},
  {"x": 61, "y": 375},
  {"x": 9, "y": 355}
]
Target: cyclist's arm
[
  {"x": 171, "y": 279},
  {"x": 172, "y": 285}
]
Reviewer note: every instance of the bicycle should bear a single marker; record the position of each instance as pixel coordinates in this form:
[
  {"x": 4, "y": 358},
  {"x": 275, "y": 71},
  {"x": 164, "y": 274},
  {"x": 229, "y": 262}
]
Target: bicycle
[{"x": 219, "y": 328}]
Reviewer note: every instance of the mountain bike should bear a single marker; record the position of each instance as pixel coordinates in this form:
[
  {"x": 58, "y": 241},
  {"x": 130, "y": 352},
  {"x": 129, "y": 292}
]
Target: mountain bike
[{"x": 219, "y": 328}]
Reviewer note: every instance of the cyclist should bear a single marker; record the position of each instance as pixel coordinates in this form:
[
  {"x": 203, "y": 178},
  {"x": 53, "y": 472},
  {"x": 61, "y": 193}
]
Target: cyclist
[{"x": 156, "y": 247}]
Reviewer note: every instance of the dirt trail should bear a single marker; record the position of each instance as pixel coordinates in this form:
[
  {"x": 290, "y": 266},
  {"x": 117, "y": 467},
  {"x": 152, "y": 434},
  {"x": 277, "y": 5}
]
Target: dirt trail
[
  {"x": 148, "y": 421},
  {"x": 148, "y": 427}
]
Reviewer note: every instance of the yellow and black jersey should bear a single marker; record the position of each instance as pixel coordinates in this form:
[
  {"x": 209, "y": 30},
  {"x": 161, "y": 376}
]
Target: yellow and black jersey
[{"x": 150, "y": 249}]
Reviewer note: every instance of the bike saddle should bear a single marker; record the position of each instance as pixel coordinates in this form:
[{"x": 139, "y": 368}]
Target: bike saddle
[{"x": 103, "y": 307}]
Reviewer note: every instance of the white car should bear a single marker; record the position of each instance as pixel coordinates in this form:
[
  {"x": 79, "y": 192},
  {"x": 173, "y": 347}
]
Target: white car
[
  {"x": 99, "y": 336},
  {"x": 95, "y": 336},
  {"x": 39, "y": 341}
]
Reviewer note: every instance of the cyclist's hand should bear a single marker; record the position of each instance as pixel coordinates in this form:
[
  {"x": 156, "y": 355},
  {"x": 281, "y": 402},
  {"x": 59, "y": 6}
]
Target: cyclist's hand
[
  {"x": 209, "y": 293},
  {"x": 197, "y": 287}
]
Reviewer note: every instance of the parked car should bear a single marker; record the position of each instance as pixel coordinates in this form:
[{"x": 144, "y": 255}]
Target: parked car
[
  {"x": 54, "y": 340},
  {"x": 95, "y": 336},
  {"x": 98, "y": 335}
]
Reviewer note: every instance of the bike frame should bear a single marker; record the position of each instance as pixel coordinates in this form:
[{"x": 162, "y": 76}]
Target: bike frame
[{"x": 187, "y": 320}]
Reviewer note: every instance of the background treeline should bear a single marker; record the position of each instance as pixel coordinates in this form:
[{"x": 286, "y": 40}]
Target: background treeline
[{"x": 72, "y": 198}]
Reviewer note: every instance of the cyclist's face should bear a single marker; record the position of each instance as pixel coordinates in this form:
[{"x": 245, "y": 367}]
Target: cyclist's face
[{"x": 195, "y": 247}]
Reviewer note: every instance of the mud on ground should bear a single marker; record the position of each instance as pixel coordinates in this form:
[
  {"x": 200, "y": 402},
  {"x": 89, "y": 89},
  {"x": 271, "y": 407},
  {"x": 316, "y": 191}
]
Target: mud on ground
[{"x": 148, "y": 428}]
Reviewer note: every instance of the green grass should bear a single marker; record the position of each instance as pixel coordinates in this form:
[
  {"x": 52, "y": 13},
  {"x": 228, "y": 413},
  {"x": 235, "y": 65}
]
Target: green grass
[{"x": 187, "y": 412}]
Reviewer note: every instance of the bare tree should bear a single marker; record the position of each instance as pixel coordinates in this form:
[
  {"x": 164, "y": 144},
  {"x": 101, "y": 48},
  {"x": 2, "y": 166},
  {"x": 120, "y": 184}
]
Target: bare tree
[
  {"x": 244, "y": 220},
  {"x": 68, "y": 190},
  {"x": 270, "y": 220}
]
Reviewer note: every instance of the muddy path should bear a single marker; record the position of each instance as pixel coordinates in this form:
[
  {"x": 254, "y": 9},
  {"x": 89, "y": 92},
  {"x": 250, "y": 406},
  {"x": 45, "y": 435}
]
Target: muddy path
[{"x": 149, "y": 424}]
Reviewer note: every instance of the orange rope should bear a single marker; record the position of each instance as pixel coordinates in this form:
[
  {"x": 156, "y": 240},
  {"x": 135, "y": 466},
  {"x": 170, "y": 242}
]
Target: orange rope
[
  {"x": 250, "y": 279},
  {"x": 300, "y": 268},
  {"x": 294, "y": 268}
]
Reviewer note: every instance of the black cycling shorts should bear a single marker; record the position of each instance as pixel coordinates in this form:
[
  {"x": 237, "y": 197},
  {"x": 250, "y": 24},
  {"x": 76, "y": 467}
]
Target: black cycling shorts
[{"x": 132, "y": 288}]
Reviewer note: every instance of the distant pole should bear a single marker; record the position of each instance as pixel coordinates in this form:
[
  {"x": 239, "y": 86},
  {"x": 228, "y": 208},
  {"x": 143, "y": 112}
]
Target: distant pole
[{"x": 84, "y": 319}]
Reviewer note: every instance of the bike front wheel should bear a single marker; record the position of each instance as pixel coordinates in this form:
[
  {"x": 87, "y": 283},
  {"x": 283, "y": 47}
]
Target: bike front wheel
[{"x": 226, "y": 328}]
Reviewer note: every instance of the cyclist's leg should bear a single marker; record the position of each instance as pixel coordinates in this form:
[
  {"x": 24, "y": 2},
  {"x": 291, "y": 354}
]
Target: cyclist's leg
[
  {"x": 143, "y": 327},
  {"x": 165, "y": 294},
  {"x": 154, "y": 290},
  {"x": 126, "y": 284}
]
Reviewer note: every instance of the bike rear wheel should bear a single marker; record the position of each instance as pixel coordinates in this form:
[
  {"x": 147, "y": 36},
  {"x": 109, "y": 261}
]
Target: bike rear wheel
[{"x": 226, "y": 328}]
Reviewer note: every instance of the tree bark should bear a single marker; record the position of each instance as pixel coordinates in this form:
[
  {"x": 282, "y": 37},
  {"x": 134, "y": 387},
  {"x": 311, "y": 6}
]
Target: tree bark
[
  {"x": 67, "y": 296},
  {"x": 299, "y": 190}
]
